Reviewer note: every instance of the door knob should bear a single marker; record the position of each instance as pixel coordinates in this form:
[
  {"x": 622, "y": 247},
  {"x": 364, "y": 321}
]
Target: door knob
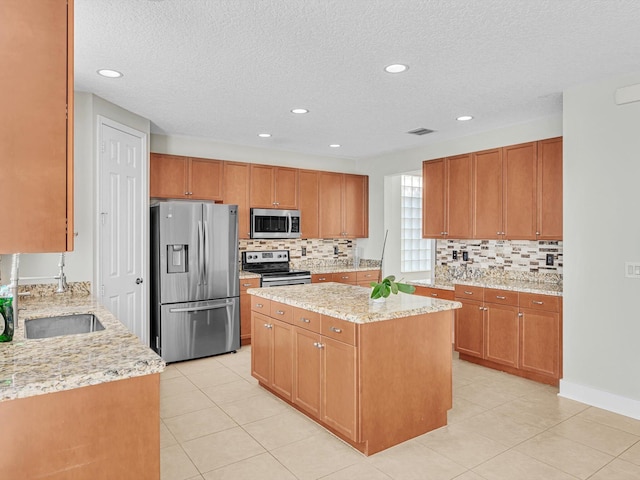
[{"x": 138, "y": 281}]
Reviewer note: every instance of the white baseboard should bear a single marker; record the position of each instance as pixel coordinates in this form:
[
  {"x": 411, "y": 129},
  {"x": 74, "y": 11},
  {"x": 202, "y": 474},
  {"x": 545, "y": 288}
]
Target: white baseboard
[{"x": 598, "y": 398}]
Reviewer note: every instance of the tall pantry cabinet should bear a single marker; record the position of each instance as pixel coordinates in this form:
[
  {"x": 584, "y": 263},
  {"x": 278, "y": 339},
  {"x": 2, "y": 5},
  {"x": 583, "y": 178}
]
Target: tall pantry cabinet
[{"x": 36, "y": 125}]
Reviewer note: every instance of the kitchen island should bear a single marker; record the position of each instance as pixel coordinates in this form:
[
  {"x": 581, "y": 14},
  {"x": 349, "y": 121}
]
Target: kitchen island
[
  {"x": 374, "y": 374},
  {"x": 78, "y": 406}
]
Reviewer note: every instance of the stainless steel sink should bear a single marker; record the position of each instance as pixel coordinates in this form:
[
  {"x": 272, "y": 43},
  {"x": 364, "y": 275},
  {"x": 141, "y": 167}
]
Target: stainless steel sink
[{"x": 47, "y": 327}]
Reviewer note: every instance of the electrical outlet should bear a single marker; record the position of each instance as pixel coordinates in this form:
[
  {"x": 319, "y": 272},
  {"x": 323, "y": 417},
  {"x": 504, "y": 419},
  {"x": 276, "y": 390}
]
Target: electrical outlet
[
  {"x": 549, "y": 259},
  {"x": 336, "y": 250},
  {"x": 465, "y": 256},
  {"x": 455, "y": 254},
  {"x": 304, "y": 251},
  {"x": 632, "y": 270}
]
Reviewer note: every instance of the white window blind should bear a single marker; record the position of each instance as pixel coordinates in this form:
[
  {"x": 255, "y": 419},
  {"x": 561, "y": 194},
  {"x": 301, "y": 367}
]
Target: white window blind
[{"x": 416, "y": 251}]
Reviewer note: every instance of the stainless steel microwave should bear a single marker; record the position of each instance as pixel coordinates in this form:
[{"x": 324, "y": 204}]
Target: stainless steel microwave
[{"x": 274, "y": 223}]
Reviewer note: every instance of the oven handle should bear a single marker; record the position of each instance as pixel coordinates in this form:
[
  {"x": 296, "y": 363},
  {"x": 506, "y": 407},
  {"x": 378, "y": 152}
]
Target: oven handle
[
  {"x": 199, "y": 309},
  {"x": 293, "y": 279}
]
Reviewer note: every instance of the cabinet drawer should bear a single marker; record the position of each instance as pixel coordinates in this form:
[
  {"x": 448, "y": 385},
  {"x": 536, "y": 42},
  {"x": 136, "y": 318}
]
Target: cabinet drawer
[
  {"x": 435, "y": 293},
  {"x": 306, "y": 319},
  {"x": 344, "y": 277},
  {"x": 549, "y": 303},
  {"x": 501, "y": 297},
  {"x": 261, "y": 305},
  {"x": 321, "y": 277},
  {"x": 338, "y": 329},
  {"x": 246, "y": 283},
  {"x": 282, "y": 312},
  {"x": 367, "y": 276},
  {"x": 470, "y": 292}
]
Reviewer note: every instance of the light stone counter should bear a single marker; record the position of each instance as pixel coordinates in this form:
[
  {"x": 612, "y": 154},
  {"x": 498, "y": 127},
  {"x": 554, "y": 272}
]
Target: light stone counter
[
  {"x": 352, "y": 303},
  {"x": 554, "y": 289},
  {"x": 246, "y": 275},
  {"x": 326, "y": 269},
  {"x": 35, "y": 367}
]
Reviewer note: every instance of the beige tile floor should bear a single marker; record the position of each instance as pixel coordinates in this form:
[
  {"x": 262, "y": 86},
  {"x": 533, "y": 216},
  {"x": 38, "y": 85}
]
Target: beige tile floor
[{"x": 218, "y": 424}]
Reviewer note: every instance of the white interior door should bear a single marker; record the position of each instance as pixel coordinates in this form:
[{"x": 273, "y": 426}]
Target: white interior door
[{"x": 121, "y": 253}]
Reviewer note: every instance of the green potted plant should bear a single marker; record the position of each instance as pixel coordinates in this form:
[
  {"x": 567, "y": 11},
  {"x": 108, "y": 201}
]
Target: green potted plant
[{"x": 387, "y": 286}]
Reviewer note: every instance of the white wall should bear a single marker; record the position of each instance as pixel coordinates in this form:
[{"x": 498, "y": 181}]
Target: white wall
[
  {"x": 80, "y": 264},
  {"x": 410, "y": 160},
  {"x": 601, "y": 232}
]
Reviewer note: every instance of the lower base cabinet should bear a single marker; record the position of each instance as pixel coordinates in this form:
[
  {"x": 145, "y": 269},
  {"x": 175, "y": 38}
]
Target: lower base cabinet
[
  {"x": 245, "y": 309},
  {"x": 351, "y": 377}
]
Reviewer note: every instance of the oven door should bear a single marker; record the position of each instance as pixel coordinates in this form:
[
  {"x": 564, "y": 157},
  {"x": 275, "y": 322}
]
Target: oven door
[
  {"x": 279, "y": 281},
  {"x": 273, "y": 223}
]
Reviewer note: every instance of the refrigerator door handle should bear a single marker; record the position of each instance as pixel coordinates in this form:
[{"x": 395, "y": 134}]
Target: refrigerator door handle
[
  {"x": 206, "y": 252},
  {"x": 200, "y": 252},
  {"x": 199, "y": 309}
]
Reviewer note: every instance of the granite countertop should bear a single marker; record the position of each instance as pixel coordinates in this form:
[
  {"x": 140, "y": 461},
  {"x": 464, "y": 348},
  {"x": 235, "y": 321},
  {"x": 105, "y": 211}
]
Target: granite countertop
[
  {"x": 39, "y": 366},
  {"x": 338, "y": 268},
  {"x": 245, "y": 275},
  {"x": 352, "y": 303},
  {"x": 554, "y": 289}
]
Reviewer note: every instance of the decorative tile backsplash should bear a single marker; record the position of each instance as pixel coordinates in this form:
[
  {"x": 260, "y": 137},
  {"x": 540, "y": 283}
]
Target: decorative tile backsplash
[{"x": 521, "y": 259}]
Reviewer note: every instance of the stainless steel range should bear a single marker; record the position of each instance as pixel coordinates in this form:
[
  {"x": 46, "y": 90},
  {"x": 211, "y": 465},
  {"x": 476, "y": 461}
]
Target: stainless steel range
[{"x": 273, "y": 267}]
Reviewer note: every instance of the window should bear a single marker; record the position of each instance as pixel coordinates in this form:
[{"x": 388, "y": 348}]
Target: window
[{"x": 415, "y": 251}]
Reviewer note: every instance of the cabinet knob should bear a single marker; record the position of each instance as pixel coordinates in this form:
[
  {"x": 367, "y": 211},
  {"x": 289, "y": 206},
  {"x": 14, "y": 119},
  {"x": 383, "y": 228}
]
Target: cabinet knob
[
  {"x": 520, "y": 314},
  {"x": 537, "y": 233},
  {"x": 318, "y": 345},
  {"x": 267, "y": 325}
]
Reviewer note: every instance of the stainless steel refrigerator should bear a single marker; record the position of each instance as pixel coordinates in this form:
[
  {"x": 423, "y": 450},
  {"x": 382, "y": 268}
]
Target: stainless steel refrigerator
[{"x": 195, "y": 304}]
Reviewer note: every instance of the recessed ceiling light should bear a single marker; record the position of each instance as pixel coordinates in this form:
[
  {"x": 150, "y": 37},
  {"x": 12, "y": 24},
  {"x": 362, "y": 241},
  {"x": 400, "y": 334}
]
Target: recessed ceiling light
[
  {"x": 105, "y": 72},
  {"x": 464, "y": 118},
  {"x": 299, "y": 110},
  {"x": 395, "y": 68},
  {"x": 264, "y": 135},
  {"x": 335, "y": 145}
]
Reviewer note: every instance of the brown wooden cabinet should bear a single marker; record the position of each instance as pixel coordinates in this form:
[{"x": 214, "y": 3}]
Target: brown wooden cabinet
[
  {"x": 365, "y": 277},
  {"x": 273, "y": 187},
  {"x": 344, "y": 205},
  {"x": 549, "y": 189},
  {"x": 519, "y": 333},
  {"x": 432, "y": 292},
  {"x": 519, "y": 185},
  {"x": 236, "y": 192},
  {"x": 36, "y": 125},
  {"x": 487, "y": 194},
  {"x": 175, "y": 176},
  {"x": 309, "y": 203},
  {"x": 245, "y": 308},
  {"x": 447, "y": 195}
]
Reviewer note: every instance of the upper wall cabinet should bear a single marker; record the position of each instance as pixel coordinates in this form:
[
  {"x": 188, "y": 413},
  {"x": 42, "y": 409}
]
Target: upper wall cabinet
[
  {"x": 309, "y": 203},
  {"x": 344, "y": 205},
  {"x": 174, "y": 176},
  {"x": 519, "y": 187},
  {"x": 274, "y": 187},
  {"x": 36, "y": 125},
  {"x": 236, "y": 192},
  {"x": 549, "y": 189},
  {"x": 447, "y": 197},
  {"x": 487, "y": 194}
]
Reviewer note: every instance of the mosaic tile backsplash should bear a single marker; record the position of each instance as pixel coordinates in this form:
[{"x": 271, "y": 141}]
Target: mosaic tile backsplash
[{"x": 514, "y": 259}]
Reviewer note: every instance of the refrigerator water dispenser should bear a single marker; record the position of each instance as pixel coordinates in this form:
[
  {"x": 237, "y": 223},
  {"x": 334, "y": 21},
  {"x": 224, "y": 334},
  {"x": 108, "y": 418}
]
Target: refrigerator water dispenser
[{"x": 177, "y": 260}]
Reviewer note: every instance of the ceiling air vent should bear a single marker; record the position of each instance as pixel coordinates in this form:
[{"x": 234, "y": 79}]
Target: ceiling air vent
[{"x": 420, "y": 131}]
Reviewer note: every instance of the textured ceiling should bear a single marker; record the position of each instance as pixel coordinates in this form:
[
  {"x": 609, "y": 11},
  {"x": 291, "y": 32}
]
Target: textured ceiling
[{"x": 230, "y": 69}]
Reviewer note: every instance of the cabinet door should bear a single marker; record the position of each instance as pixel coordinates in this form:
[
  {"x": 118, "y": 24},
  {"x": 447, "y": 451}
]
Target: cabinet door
[
  {"x": 282, "y": 358},
  {"x": 355, "y": 208},
  {"x": 459, "y": 200},
  {"x": 36, "y": 138},
  {"x": 309, "y": 203},
  {"x": 501, "y": 342},
  {"x": 306, "y": 370},
  {"x": 339, "y": 387},
  {"x": 487, "y": 194},
  {"x": 433, "y": 198},
  {"x": 168, "y": 176},
  {"x": 205, "y": 178},
  {"x": 286, "y": 188},
  {"x": 519, "y": 184},
  {"x": 550, "y": 189},
  {"x": 330, "y": 212},
  {"x": 262, "y": 189},
  {"x": 540, "y": 342},
  {"x": 261, "y": 348},
  {"x": 236, "y": 192},
  {"x": 245, "y": 309},
  {"x": 469, "y": 328}
]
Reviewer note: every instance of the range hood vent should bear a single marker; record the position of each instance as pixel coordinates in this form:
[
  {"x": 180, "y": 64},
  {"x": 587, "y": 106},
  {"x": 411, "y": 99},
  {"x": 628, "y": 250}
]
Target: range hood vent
[{"x": 420, "y": 131}]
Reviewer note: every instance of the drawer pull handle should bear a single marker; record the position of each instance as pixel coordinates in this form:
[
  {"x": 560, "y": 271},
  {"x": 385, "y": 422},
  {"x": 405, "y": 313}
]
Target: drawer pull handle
[
  {"x": 467, "y": 292},
  {"x": 500, "y": 297},
  {"x": 318, "y": 345},
  {"x": 335, "y": 329},
  {"x": 322, "y": 279},
  {"x": 259, "y": 305},
  {"x": 246, "y": 284},
  {"x": 537, "y": 303},
  {"x": 344, "y": 277},
  {"x": 434, "y": 294},
  {"x": 305, "y": 320},
  {"x": 266, "y": 325},
  {"x": 280, "y": 312}
]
